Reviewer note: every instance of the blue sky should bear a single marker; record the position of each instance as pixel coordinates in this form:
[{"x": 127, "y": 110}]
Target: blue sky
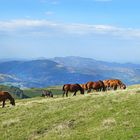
[{"x": 106, "y": 30}]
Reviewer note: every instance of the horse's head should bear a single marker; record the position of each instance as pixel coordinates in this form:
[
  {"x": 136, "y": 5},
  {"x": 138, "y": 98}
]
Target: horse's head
[
  {"x": 82, "y": 90},
  {"x": 123, "y": 86},
  {"x": 12, "y": 101}
]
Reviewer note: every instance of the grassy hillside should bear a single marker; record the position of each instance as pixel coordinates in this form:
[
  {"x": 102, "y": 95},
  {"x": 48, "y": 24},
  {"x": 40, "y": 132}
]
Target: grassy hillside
[
  {"x": 30, "y": 92},
  {"x": 98, "y": 116}
]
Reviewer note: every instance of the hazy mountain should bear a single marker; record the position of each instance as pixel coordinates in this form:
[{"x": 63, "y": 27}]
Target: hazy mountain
[
  {"x": 60, "y": 70},
  {"x": 128, "y": 72},
  {"x": 40, "y": 73}
]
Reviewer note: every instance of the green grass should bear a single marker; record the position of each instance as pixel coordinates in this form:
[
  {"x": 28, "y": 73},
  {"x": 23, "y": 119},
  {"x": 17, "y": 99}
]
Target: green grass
[{"x": 97, "y": 116}]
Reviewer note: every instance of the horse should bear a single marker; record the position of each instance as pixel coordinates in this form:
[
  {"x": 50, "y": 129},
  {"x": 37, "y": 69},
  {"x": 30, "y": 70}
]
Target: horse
[
  {"x": 4, "y": 95},
  {"x": 47, "y": 93},
  {"x": 114, "y": 84},
  {"x": 97, "y": 86},
  {"x": 72, "y": 88}
]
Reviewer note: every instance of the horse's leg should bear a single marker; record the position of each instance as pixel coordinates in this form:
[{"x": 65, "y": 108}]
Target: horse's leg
[
  {"x": 63, "y": 94},
  {"x": 115, "y": 88},
  {"x": 66, "y": 93},
  {"x": 3, "y": 104},
  {"x": 89, "y": 90},
  {"x": 74, "y": 93}
]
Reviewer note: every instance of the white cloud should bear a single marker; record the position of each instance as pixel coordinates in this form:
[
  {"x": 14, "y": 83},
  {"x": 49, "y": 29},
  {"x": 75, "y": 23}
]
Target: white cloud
[
  {"x": 24, "y": 23},
  {"x": 45, "y": 27}
]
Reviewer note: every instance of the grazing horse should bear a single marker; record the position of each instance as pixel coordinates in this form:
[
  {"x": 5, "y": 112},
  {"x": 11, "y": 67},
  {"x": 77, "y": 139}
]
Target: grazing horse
[
  {"x": 72, "y": 88},
  {"x": 4, "y": 95},
  {"x": 47, "y": 93},
  {"x": 114, "y": 84},
  {"x": 97, "y": 86}
]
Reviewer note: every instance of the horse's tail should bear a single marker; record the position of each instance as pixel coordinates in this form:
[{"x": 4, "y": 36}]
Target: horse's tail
[{"x": 63, "y": 88}]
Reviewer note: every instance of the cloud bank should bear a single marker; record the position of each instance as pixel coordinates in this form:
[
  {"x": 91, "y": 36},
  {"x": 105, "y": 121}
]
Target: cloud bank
[{"x": 42, "y": 27}]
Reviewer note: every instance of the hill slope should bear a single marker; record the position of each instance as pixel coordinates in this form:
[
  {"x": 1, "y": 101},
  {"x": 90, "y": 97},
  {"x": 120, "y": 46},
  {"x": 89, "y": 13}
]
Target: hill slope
[
  {"x": 61, "y": 70},
  {"x": 127, "y": 72},
  {"x": 107, "y": 116},
  {"x": 40, "y": 73}
]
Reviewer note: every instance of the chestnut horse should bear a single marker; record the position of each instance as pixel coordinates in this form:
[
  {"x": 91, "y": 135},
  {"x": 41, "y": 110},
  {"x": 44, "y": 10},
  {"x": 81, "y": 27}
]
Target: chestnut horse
[
  {"x": 114, "y": 84},
  {"x": 98, "y": 86},
  {"x": 4, "y": 95},
  {"x": 72, "y": 88}
]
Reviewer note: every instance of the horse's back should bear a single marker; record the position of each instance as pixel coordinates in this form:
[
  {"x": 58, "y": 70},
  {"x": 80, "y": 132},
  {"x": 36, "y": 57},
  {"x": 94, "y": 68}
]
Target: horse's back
[
  {"x": 75, "y": 87},
  {"x": 89, "y": 84},
  {"x": 97, "y": 85},
  {"x": 72, "y": 87},
  {"x": 4, "y": 93},
  {"x": 66, "y": 87}
]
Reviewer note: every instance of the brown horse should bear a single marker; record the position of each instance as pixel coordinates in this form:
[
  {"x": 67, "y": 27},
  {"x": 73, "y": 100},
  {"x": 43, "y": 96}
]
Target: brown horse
[
  {"x": 47, "y": 93},
  {"x": 4, "y": 95},
  {"x": 97, "y": 86},
  {"x": 114, "y": 84},
  {"x": 72, "y": 88}
]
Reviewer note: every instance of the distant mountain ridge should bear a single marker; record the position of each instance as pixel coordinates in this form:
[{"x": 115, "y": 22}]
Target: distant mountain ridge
[
  {"x": 60, "y": 70},
  {"x": 128, "y": 72}
]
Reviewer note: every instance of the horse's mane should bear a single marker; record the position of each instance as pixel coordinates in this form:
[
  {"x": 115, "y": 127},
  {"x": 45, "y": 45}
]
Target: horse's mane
[
  {"x": 10, "y": 96},
  {"x": 81, "y": 89}
]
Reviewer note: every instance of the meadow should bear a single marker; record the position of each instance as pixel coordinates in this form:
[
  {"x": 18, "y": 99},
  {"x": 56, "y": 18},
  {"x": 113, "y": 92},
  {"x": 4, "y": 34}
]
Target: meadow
[{"x": 112, "y": 115}]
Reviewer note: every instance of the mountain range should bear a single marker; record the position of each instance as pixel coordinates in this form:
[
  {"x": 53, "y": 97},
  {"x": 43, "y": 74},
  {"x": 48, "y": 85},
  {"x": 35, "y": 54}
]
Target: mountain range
[{"x": 61, "y": 70}]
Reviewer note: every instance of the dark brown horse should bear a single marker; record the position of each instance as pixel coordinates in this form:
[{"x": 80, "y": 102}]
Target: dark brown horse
[
  {"x": 4, "y": 95},
  {"x": 72, "y": 88},
  {"x": 97, "y": 86},
  {"x": 47, "y": 93}
]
